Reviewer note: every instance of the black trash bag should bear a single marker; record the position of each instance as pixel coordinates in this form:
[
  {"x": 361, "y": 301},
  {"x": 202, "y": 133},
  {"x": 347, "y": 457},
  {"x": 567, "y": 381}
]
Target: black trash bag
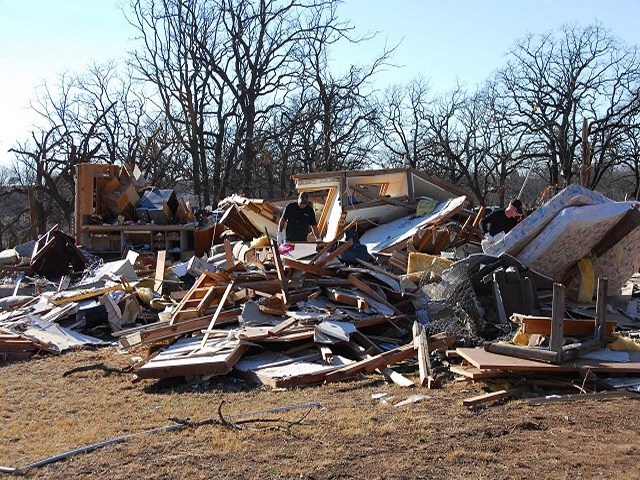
[{"x": 355, "y": 252}]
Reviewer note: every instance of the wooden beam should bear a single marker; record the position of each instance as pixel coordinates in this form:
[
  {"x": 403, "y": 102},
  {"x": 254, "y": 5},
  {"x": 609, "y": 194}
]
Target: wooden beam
[
  {"x": 525, "y": 353},
  {"x": 421, "y": 343},
  {"x": 370, "y": 364},
  {"x": 476, "y": 222},
  {"x": 333, "y": 242},
  {"x": 363, "y": 287},
  {"x": 214, "y": 319},
  {"x": 307, "y": 267},
  {"x": 557, "y": 321},
  {"x": 228, "y": 255},
  {"x": 280, "y": 271},
  {"x": 490, "y": 397},
  {"x": 324, "y": 261},
  {"x": 601, "y": 312},
  {"x": 153, "y": 333},
  {"x": 159, "y": 276},
  {"x": 387, "y": 358}
]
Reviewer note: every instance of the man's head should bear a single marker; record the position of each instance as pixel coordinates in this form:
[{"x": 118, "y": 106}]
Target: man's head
[
  {"x": 514, "y": 209},
  {"x": 303, "y": 199}
]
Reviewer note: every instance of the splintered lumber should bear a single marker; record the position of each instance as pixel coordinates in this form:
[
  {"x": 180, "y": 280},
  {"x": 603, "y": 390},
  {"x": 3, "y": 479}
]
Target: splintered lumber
[
  {"x": 307, "y": 267},
  {"x": 599, "y": 333},
  {"x": 399, "y": 259},
  {"x": 278, "y": 329},
  {"x": 159, "y": 277},
  {"x": 378, "y": 320},
  {"x": 334, "y": 254},
  {"x": 370, "y": 364},
  {"x": 556, "y": 338},
  {"x": 533, "y": 325},
  {"x": 317, "y": 257},
  {"x": 421, "y": 344},
  {"x": 281, "y": 273},
  {"x": 364, "y": 287},
  {"x": 491, "y": 396},
  {"x": 228, "y": 255},
  {"x": 359, "y": 342},
  {"x": 154, "y": 333},
  {"x": 390, "y": 357},
  {"x": 485, "y": 360},
  {"x": 214, "y": 319},
  {"x": 476, "y": 222},
  {"x": 179, "y": 359}
]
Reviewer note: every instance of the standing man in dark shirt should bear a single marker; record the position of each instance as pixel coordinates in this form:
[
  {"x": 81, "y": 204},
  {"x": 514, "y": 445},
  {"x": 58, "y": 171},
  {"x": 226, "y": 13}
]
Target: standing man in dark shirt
[
  {"x": 298, "y": 217},
  {"x": 504, "y": 219}
]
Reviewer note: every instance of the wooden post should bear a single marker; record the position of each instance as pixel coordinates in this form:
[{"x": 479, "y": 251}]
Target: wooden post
[
  {"x": 421, "y": 344},
  {"x": 161, "y": 258},
  {"x": 282, "y": 276},
  {"x": 601, "y": 312},
  {"x": 557, "y": 321}
]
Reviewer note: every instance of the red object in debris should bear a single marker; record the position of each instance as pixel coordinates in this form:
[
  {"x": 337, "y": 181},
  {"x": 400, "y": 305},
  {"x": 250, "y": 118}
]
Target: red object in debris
[{"x": 285, "y": 248}]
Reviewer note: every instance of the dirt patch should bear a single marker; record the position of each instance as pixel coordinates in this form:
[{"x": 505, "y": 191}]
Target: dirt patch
[{"x": 352, "y": 436}]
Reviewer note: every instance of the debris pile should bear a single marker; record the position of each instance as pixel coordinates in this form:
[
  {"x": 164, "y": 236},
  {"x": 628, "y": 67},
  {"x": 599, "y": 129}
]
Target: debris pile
[{"x": 398, "y": 274}]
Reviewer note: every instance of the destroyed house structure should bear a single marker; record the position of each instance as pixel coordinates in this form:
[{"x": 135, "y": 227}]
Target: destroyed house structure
[
  {"x": 117, "y": 210},
  {"x": 369, "y": 197},
  {"x": 402, "y": 270}
]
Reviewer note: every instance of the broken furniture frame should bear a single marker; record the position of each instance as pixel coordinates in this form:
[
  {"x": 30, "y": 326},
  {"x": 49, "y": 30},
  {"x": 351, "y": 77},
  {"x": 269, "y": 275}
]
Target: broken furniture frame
[{"x": 557, "y": 352}]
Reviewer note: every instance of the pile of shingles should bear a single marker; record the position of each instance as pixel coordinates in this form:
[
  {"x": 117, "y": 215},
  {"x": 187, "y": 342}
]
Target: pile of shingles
[{"x": 290, "y": 319}]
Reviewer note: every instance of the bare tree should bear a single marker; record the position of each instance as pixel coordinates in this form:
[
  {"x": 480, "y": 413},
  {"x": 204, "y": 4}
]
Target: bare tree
[
  {"x": 557, "y": 80},
  {"x": 173, "y": 34},
  {"x": 402, "y": 125}
]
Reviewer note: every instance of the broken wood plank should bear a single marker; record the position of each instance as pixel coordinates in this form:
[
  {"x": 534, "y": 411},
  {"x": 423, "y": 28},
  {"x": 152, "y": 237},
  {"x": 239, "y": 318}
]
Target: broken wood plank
[
  {"x": 364, "y": 287},
  {"x": 359, "y": 342},
  {"x": 492, "y": 396},
  {"x": 281, "y": 273},
  {"x": 421, "y": 344},
  {"x": 307, "y": 267},
  {"x": 282, "y": 326},
  {"x": 228, "y": 255},
  {"x": 154, "y": 333},
  {"x": 326, "y": 260},
  {"x": 214, "y": 319},
  {"x": 557, "y": 322},
  {"x": 384, "y": 359},
  {"x": 159, "y": 276},
  {"x": 333, "y": 242},
  {"x": 533, "y": 325}
]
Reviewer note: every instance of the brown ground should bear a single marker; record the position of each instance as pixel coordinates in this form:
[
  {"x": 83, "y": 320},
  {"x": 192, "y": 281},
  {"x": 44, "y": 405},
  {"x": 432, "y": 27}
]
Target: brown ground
[{"x": 351, "y": 436}]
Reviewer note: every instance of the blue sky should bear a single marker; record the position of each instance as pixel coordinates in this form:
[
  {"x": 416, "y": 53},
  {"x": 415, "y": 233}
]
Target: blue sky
[{"x": 443, "y": 40}]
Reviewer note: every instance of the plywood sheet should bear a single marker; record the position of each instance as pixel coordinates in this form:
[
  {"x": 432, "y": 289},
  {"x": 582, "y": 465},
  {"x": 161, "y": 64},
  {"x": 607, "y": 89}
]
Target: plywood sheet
[{"x": 484, "y": 360}]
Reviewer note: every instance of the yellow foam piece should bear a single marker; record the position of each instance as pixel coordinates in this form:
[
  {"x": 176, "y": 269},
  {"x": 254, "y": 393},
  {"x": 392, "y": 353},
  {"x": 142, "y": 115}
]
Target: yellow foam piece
[
  {"x": 624, "y": 344},
  {"x": 587, "y": 280},
  {"x": 425, "y": 206},
  {"x": 423, "y": 262}
]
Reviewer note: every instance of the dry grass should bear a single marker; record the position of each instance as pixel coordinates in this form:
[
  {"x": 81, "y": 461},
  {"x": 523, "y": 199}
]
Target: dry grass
[{"x": 351, "y": 436}]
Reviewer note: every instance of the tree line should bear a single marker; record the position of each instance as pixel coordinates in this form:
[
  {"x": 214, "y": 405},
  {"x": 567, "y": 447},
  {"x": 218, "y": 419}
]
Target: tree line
[{"x": 234, "y": 96}]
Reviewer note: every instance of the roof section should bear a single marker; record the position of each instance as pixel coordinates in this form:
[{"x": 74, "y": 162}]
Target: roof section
[{"x": 361, "y": 173}]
